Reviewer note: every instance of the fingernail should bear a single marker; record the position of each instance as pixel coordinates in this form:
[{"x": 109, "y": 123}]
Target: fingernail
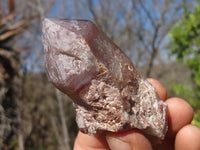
[{"x": 116, "y": 144}]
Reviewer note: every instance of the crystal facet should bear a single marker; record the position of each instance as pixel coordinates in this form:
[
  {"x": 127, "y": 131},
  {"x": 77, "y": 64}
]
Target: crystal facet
[{"x": 109, "y": 94}]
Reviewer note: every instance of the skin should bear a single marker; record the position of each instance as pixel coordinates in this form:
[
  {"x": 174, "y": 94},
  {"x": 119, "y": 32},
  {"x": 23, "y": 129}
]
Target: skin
[{"x": 181, "y": 134}]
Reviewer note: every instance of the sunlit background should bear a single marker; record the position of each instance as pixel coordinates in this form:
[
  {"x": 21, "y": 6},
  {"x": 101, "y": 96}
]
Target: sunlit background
[{"x": 161, "y": 37}]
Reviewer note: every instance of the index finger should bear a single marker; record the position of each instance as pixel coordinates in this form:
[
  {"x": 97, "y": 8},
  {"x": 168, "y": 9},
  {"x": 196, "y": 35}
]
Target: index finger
[
  {"x": 161, "y": 90},
  {"x": 90, "y": 142}
]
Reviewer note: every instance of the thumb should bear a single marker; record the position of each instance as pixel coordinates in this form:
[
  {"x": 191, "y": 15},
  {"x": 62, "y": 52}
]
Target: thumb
[{"x": 128, "y": 140}]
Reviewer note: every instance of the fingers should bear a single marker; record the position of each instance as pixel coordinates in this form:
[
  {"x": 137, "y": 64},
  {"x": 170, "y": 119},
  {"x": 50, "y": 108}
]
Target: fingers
[
  {"x": 87, "y": 142},
  {"x": 128, "y": 140},
  {"x": 161, "y": 90},
  {"x": 180, "y": 113},
  {"x": 188, "y": 138}
]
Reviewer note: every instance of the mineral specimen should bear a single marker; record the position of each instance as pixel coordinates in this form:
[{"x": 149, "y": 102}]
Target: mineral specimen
[{"x": 108, "y": 93}]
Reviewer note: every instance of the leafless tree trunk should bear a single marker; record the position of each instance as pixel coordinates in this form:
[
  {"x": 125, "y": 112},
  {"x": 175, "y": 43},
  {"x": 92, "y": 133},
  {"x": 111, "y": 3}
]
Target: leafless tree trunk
[
  {"x": 65, "y": 133},
  {"x": 62, "y": 134},
  {"x": 20, "y": 140}
]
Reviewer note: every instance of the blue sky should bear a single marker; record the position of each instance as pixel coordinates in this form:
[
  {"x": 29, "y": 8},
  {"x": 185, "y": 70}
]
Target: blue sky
[{"x": 68, "y": 10}]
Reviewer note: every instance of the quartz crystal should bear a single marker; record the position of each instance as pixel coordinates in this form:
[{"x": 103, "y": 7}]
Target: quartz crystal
[{"x": 108, "y": 93}]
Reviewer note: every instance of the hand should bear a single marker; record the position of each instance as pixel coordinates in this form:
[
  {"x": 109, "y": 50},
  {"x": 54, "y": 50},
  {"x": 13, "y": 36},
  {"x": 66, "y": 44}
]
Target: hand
[{"x": 180, "y": 136}]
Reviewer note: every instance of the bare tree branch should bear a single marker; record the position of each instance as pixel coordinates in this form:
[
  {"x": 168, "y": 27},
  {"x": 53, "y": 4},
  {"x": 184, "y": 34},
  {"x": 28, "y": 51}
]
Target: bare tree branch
[{"x": 148, "y": 13}]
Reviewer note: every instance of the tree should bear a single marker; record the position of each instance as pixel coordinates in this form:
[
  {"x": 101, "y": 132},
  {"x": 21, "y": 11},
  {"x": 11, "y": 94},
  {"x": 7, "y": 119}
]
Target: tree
[
  {"x": 139, "y": 27},
  {"x": 11, "y": 73},
  {"x": 13, "y": 24},
  {"x": 185, "y": 44}
]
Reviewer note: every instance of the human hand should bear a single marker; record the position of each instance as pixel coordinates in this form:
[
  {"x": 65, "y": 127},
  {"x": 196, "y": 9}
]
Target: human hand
[{"x": 180, "y": 136}]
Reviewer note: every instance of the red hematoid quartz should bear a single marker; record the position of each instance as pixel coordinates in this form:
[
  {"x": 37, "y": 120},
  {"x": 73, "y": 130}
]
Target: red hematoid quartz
[{"x": 109, "y": 94}]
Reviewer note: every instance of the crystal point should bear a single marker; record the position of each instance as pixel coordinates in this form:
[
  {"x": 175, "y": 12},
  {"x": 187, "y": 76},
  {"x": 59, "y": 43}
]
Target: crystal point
[{"x": 109, "y": 94}]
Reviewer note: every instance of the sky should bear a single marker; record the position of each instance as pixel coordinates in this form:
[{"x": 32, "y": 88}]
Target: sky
[{"x": 67, "y": 9}]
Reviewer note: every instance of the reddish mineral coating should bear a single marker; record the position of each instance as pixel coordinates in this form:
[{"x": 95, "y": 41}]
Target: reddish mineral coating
[{"x": 109, "y": 94}]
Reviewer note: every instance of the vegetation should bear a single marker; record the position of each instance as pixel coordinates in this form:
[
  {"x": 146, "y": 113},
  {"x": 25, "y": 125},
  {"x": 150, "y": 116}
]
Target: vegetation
[
  {"x": 185, "y": 45},
  {"x": 10, "y": 78}
]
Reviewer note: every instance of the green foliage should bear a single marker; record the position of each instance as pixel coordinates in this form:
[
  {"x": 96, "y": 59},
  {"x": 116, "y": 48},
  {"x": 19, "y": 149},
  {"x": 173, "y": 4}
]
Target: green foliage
[
  {"x": 187, "y": 93},
  {"x": 196, "y": 120},
  {"x": 55, "y": 141},
  {"x": 185, "y": 44},
  {"x": 185, "y": 36},
  {"x": 14, "y": 143},
  {"x": 36, "y": 148}
]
